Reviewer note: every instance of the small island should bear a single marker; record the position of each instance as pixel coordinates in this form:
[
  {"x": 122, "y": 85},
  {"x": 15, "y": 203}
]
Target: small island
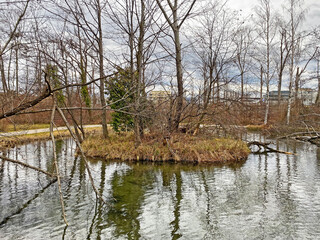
[{"x": 179, "y": 148}]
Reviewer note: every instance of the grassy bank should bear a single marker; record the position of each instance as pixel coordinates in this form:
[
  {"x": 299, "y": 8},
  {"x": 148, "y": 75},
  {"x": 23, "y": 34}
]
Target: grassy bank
[
  {"x": 8, "y": 142},
  {"x": 180, "y": 148},
  {"x": 6, "y": 127}
]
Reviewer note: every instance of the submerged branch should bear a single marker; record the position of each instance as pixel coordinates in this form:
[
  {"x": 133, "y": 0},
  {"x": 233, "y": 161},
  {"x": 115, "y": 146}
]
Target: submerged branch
[
  {"x": 56, "y": 165},
  {"x": 312, "y": 137},
  {"x": 297, "y": 134},
  {"x": 5, "y": 220},
  {"x": 264, "y": 148},
  {"x": 82, "y": 154}
]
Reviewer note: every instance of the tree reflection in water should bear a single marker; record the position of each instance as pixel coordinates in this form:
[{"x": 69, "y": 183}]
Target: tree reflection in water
[{"x": 267, "y": 196}]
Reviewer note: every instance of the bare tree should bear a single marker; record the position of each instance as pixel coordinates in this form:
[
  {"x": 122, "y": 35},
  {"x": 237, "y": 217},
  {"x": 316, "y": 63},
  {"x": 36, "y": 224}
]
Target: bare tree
[
  {"x": 214, "y": 40},
  {"x": 243, "y": 42},
  {"x": 296, "y": 17},
  {"x": 175, "y": 19},
  {"x": 88, "y": 16},
  {"x": 15, "y": 26},
  {"x": 134, "y": 20},
  {"x": 267, "y": 31},
  {"x": 284, "y": 52}
]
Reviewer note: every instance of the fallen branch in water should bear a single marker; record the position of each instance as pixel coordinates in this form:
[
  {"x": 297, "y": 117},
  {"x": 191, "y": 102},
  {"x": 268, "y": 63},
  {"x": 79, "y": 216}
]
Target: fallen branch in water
[
  {"x": 312, "y": 137},
  {"x": 26, "y": 165},
  {"x": 5, "y": 220},
  {"x": 98, "y": 194},
  {"x": 56, "y": 164},
  {"x": 266, "y": 148},
  {"x": 297, "y": 134}
]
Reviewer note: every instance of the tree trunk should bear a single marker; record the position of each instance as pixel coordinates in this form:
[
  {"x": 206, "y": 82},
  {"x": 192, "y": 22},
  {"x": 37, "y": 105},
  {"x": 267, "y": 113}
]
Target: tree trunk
[
  {"x": 242, "y": 85},
  {"x": 261, "y": 84},
  {"x": 279, "y": 87},
  {"x": 179, "y": 78},
  {"x": 3, "y": 76},
  {"x": 138, "y": 121},
  {"x": 268, "y": 64},
  {"x": 318, "y": 77},
  {"x": 17, "y": 71},
  {"x": 266, "y": 116},
  {"x": 292, "y": 25},
  {"x": 296, "y": 85},
  {"x": 101, "y": 72}
]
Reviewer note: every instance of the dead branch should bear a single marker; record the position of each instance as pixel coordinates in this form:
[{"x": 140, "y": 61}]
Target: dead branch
[
  {"x": 26, "y": 165},
  {"x": 82, "y": 154},
  {"x": 5, "y": 220},
  {"x": 56, "y": 164},
  {"x": 48, "y": 92},
  {"x": 27, "y": 105},
  {"x": 312, "y": 137},
  {"x": 264, "y": 148},
  {"x": 299, "y": 134}
]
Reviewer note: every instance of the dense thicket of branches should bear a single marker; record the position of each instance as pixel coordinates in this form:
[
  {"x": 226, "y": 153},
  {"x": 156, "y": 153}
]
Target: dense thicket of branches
[
  {"x": 198, "y": 53},
  {"x": 84, "y": 59}
]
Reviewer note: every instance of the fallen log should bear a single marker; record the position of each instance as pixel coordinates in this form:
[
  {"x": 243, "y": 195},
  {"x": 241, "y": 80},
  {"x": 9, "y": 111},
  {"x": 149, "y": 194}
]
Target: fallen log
[
  {"x": 312, "y": 137},
  {"x": 264, "y": 148},
  {"x": 297, "y": 134}
]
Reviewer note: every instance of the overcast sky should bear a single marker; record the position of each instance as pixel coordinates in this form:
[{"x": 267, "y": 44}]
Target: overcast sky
[{"x": 313, "y": 6}]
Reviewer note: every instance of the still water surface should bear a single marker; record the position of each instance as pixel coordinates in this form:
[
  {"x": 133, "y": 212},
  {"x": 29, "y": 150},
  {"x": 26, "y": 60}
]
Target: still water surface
[{"x": 267, "y": 197}]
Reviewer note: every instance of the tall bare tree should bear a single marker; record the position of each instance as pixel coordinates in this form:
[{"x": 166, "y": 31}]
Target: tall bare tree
[
  {"x": 284, "y": 52},
  {"x": 267, "y": 32},
  {"x": 89, "y": 17},
  {"x": 135, "y": 20},
  {"x": 214, "y": 40},
  {"x": 175, "y": 19},
  {"x": 296, "y": 16}
]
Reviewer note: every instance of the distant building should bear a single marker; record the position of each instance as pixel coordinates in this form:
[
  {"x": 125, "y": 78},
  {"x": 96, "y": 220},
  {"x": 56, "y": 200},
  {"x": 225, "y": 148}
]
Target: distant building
[
  {"x": 159, "y": 96},
  {"x": 273, "y": 96},
  {"x": 307, "y": 96}
]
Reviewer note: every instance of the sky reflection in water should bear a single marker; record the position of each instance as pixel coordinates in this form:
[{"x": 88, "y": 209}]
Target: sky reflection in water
[{"x": 267, "y": 197}]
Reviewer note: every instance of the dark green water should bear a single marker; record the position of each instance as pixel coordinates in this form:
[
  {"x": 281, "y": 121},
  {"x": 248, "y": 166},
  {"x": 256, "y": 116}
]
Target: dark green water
[{"x": 267, "y": 197}]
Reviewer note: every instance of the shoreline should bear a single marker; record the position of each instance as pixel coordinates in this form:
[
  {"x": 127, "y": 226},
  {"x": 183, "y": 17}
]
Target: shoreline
[{"x": 11, "y": 139}]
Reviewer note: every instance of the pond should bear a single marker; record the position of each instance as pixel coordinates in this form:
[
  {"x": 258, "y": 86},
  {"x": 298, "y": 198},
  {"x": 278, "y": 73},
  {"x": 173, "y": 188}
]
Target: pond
[{"x": 272, "y": 196}]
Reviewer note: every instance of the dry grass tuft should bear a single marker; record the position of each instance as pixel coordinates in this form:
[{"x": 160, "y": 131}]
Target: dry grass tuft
[
  {"x": 181, "y": 148},
  {"x": 256, "y": 128}
]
